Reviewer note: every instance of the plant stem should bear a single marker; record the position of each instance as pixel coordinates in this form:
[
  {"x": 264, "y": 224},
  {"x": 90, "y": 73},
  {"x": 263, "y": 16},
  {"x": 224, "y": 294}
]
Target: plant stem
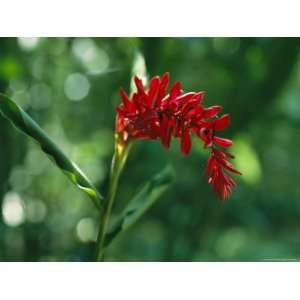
[{"x": 117, "y": 165}]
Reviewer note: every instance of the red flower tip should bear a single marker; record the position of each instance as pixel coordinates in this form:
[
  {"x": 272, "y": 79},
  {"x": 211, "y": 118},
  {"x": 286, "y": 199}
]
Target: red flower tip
[
  {"x": 124, "y": 98},
  {"x": 212, "y": 111},
  {"x": 139, "y": 85},
  {"x": 175, "y": 90},
  {"x": 222, "y": 142},
  {"x": 153, "y": 88},
  {"x": 222, "y": 123},
  {"x": 200, "y": 96},
  {"x": 165, "y": 78},
  {"x": 186, "y": 142},
  {"x": 220, "y": 181},
  {"x": 154, "y": 114}
]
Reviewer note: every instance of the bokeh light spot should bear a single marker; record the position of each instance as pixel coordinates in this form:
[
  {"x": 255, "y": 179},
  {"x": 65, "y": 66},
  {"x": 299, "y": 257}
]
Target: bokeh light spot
[
  {"x": 9, "y": 67},
  {"x": 86, "y": 230},
  {"x": 77, "y": 86},
  {"x": 19, "y": 178},
  {"x": 28, "y": 44},
  {"x": 12, "y": 209},
  {"x": 36, "y": 211},
  {"x": 93, "y": 58},
  {"x": 247, "y": 160}
]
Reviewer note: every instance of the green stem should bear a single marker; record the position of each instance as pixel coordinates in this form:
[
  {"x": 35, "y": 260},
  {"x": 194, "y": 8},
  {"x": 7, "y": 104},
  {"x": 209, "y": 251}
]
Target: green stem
[{"x": 117, "y": 165}]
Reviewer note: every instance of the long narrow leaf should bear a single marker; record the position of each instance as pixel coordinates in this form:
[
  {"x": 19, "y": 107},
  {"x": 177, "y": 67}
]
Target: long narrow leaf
[
  {"x": 27, "y": 125},
  {"x": 145, "y": 198}
]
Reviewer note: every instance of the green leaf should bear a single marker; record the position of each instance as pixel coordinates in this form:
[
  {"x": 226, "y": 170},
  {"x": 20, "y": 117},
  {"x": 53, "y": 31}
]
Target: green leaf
[
  {"x": 144, "y": 199},
  {"x": 27, "y": 125}
]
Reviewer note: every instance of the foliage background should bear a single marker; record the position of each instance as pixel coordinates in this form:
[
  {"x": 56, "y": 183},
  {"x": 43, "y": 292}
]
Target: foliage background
[{"x": 70, "y": 87}]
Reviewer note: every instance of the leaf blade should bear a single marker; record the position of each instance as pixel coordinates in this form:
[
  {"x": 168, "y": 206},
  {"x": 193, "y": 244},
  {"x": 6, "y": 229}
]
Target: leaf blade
[
  {"x": 140, "y": 203},
  {"x": 22, "y": 121}
]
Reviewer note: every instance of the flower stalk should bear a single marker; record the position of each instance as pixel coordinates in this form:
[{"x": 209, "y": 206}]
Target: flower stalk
[{"x": 121, "y": 152}]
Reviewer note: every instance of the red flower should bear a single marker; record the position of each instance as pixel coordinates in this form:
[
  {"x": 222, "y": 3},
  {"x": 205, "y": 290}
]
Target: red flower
[
  {"x": 221, "y": 182},
  {"x": 154, "y": 114}
]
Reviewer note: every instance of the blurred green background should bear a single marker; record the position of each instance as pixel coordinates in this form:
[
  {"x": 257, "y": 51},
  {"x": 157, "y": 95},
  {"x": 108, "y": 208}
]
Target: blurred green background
[{"x": 70, "y": 87}]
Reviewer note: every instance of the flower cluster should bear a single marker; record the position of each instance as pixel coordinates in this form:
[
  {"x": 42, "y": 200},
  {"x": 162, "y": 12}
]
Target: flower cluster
[{"x": 154, "y": 113}]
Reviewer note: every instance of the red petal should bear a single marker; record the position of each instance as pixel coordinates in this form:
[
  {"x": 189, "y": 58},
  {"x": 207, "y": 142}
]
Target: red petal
[
  {"x": 163, "y": 87},
  {"x": 227, "y": 165},
  {"x": 201, "y": 95},
  {"x": 139, "y": 85},
  {"x": 153, "y": 88},
  {"x": 222, "y": 154},
  {"x": 165, "y": 135},
  {"x": 210, "y": 166},
  {"x": 135, "y": 99},
  {"x": 231, "y": 168},
  {"x": 186, "y": 97},
  {"x": 210, "y": 112},
  {"x": 228, "y": 155},
  {"x": 125, "y": 99},
  {"x": 175, "y": 90},
  {"x": 195, "y": 112},
  {"x": 222, "y": 142},
  {"x": 165, "y": 79},
  {"x": 206, "y": 135},
  {"x": 191, "y": 105},
  {"x": 186, "y": 142},
  {"x": 222, "y": 122}
]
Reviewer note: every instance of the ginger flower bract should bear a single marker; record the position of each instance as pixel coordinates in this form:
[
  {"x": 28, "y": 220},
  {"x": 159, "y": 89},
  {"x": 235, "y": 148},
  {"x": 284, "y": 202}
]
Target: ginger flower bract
[{"x": 155, "y": 114}]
